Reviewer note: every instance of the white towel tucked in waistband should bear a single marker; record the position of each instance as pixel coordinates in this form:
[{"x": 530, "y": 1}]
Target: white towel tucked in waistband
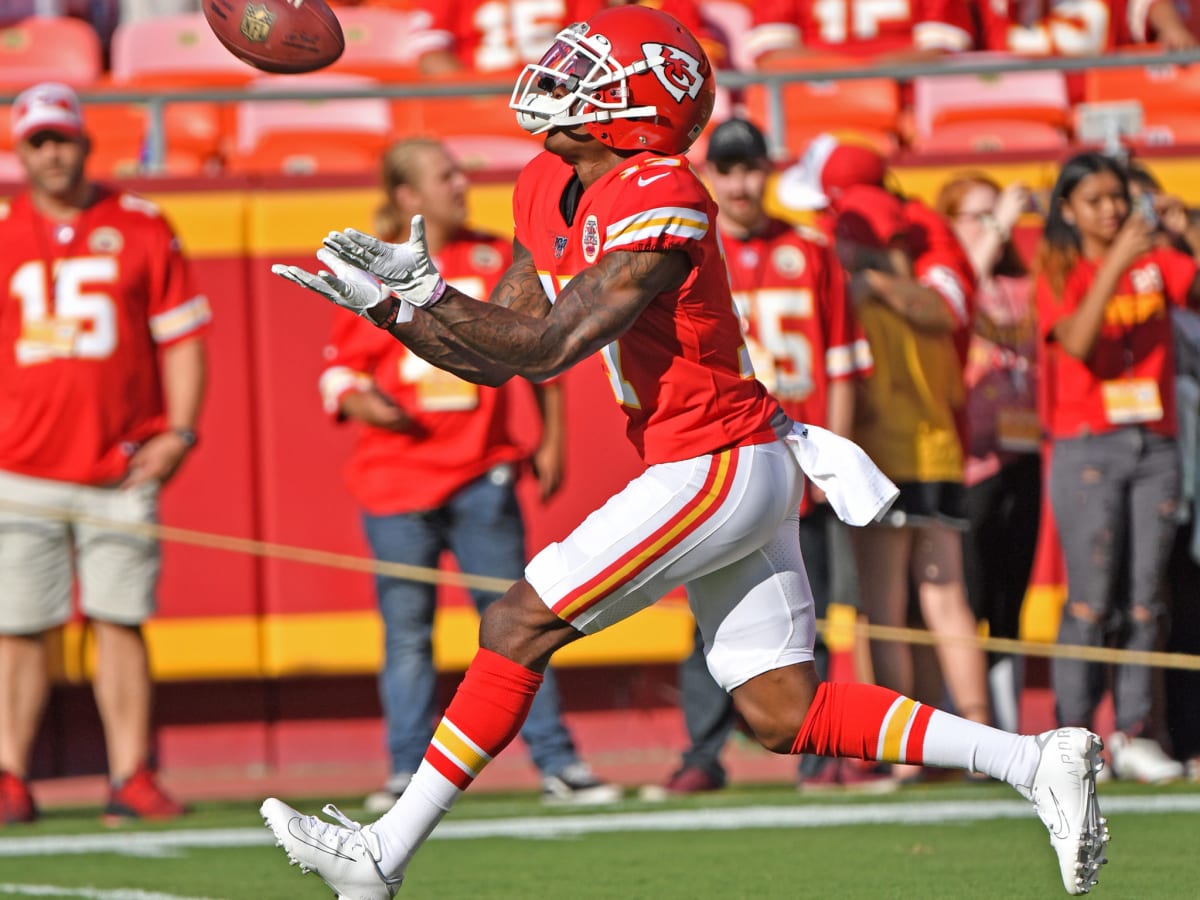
[{"x": 857, "y": 491}]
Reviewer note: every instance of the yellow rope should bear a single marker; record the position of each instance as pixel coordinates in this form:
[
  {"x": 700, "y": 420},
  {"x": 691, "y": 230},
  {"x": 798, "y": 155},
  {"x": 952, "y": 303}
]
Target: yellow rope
[{"x": 310, "y": 556}]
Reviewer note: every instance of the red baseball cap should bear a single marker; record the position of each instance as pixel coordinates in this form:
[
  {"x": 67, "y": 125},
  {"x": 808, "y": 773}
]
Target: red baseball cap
[
  {"x": 48, "y": 106},
  {"x": 869, "y": 215},
  {"x": 827, "y": 168}
]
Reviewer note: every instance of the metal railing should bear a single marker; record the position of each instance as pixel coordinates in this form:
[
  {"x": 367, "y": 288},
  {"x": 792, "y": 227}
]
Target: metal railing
[{"x": 773, "y": 82}]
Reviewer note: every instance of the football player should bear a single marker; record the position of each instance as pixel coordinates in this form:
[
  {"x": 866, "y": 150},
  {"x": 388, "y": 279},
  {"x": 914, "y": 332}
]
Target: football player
[{"x": 615, "y": 253}]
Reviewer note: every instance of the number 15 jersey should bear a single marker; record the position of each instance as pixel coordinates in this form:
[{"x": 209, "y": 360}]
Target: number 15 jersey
[{"x": 681, "y": 372}]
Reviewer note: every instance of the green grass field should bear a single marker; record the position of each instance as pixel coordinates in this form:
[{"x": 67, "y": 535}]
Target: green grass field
[{"x": 930, "y": 842}]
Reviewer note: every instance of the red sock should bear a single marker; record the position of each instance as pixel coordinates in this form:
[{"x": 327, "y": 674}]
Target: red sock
[
  {"x": 864, "y": 721},
  {"x": 486, "y": 713}
]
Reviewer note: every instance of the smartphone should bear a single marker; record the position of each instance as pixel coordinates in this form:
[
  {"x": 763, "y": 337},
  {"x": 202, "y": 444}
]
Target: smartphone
[{"x": 1145, "y": 206}]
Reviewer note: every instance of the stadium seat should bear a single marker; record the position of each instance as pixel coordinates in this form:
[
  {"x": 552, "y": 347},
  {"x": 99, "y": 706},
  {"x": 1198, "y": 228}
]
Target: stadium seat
[
  {"x": 174, "y": 51},
  {"x": 940, "y": 100},
  {"x": 316, "y": 155},
  {"x": 43, "y": 49},
  {"x": 461, "y": 111},
  {"x": 330, "y": 133},
  {"x": 869, "y": 107},
  {"x": 181, "y": 53},
  {"x": 1168, "y": 95},
  {"x": 477, "y": 152},
  {"x": 996, "y": 136},
  {"x": 377, "y": 43}
]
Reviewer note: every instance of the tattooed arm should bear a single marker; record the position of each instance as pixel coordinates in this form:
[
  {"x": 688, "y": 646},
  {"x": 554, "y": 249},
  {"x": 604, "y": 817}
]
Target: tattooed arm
[
  {"x": 595, "y": 308},
  {"x": 519, "y": 289}
]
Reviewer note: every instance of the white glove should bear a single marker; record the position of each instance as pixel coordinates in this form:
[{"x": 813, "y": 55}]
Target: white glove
[
  {"x": 351, "y": 288},
  {"x": 405, "y": 268}
]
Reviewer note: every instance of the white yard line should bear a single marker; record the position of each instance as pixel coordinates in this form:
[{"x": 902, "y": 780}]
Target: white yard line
[
  {"x": 165, "y": 843},
  {"x": 52, "y": 890}
]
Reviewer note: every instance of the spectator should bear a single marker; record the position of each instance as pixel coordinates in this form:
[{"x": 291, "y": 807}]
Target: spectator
[
  {"x": 100, "y": 389},
  {"x": 807, "y": 350},
  {"x": 434, "y": 468},
  {"x": 616, "y": 253},
  {"x": 923, "y": 29},
  {"x": 1104, "y": 292},
  {"x": 1003, "y": 466},
  {"x": 911, "y": 283},
  {"x": 488, "y": 37},
  {"x": 1079, "y": 27}
]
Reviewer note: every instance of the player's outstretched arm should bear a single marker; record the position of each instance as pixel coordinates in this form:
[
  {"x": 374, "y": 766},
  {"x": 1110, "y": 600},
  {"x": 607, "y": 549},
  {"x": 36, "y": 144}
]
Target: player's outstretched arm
[{"x": 594, "y": 309}]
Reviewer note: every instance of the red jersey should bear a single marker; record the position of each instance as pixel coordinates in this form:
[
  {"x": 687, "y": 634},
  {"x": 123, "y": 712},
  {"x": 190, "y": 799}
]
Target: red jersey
[
  {"x": 861, "y": 27},
  {"x": 459, "y": 429},
  {"x": 681, "y": 372},
  {"x": 1063, "y": 27},
  {"x": 799, "y": 324},
  {"x": 1130, "y": 376},
  {"x": 791, "y": 295},
  {"x": 84, "y": 309},
  {"x": 496, "y": 35}
]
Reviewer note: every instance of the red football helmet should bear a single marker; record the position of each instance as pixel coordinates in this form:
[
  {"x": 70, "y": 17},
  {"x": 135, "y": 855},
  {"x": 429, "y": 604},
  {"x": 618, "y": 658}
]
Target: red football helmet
[{"x": 632, "y": 76}]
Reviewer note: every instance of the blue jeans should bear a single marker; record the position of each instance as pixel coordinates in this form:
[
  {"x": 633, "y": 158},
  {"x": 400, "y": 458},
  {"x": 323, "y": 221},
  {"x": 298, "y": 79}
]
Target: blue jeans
[{"x": 482, "y": 526}]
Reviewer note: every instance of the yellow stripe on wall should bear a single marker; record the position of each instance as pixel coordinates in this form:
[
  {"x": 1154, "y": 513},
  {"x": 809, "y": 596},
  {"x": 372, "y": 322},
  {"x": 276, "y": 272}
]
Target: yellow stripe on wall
[{"x": 199, "y": 648}]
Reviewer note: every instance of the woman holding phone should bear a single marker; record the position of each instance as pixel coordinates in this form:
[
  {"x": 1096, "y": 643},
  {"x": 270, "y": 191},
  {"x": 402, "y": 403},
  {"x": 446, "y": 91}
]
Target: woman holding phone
[{"x": 1104, "y": 295}]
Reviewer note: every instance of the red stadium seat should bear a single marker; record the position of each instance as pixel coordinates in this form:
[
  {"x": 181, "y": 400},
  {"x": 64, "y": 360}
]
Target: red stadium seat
[
  {"x": 868, "y": 106},
  {"x": 341, "y": 134},
  {"x": 1169, "y": 97},
  {"x": 997, "y": 136},
  {"x": 377, "y": 43},
  {"x": 174, "y": 51},
  {"x": 1021, "y": 96},
  {"x": 50, "y": 49}
]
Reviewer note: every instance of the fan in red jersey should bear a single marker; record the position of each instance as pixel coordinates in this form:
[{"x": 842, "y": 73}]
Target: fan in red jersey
[
  {"x": 615, "y": 253},
  {"x": 1080, "y": 27},
  {"x": 101, "y": 380},
  {"x": 434, "y": 460},
  {"x": 893, "y": 29}
]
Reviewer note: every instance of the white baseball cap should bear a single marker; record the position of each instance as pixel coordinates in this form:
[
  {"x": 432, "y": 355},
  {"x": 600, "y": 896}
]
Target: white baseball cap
[
  {"x": 827, "y": 168},
  {"x": 48, "y": 106}
]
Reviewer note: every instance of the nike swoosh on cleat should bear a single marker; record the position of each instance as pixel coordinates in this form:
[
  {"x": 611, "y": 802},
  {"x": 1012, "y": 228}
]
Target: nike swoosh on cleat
[
  {"x": 643, "y": 180},
  {"x": 302, "y": 836},
  {"x": 1063, "y": 829}
]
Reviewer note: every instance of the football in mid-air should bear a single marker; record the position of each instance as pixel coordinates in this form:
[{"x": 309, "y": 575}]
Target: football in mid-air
[{"x": 285, "y": 36}]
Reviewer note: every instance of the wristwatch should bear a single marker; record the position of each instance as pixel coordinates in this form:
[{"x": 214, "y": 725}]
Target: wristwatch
[{"x": 186, "y": 435}]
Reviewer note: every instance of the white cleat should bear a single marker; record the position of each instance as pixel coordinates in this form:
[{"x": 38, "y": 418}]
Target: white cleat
[
  {"x": 1064, "y": 794},
  {"x": 346, "y": 856}
]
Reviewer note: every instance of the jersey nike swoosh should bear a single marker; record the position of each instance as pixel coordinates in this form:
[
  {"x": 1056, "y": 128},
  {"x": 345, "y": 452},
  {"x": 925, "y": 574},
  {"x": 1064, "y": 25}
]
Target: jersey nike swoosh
[{"x": 643, "y": 180}]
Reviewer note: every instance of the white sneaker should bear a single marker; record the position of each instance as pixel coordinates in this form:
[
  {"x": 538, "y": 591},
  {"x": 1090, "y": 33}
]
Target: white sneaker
[
  {"x": 346, "y": 856},
  {"x": 1141, "y": 759},
  {"x": 577, "y": 785},
  {"x": 1064, "y": 794}
]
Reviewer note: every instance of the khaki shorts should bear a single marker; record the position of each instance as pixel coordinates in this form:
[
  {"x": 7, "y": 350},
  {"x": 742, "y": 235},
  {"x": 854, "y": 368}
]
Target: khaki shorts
[{"x": 40, "y": 554}]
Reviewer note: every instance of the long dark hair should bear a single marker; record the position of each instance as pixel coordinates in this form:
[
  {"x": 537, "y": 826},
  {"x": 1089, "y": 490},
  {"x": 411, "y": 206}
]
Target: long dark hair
[{"x": 1060, "y": 246}]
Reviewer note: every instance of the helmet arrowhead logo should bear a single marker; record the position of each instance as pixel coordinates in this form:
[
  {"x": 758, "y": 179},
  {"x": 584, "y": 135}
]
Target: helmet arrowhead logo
[{"x": 679, "y": 72}]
